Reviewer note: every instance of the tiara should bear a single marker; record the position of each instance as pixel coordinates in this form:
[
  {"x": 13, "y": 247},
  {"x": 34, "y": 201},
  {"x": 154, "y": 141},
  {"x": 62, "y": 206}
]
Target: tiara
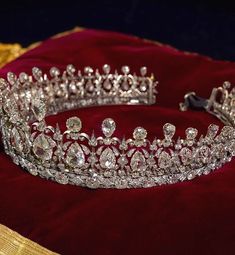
[{"x": 107, "y": 161}]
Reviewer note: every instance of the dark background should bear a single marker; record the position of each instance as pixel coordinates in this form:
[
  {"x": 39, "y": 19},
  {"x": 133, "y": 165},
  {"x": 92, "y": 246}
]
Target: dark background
[{"x": 207, "y": 27}]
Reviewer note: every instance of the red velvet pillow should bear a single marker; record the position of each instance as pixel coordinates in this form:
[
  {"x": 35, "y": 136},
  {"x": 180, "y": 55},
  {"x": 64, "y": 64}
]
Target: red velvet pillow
[{"x": 194, "y": 217}]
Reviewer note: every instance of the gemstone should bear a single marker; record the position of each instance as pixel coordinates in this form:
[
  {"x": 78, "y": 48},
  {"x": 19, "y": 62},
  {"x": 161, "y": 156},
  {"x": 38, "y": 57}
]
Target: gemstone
[
  {"x": 74, "y": 124},
  {"x": 125, "y": 69},
  {"x": 88, "y": 70},
  {"x": 191, "y": 133},
  {"x": 90, "y": 86},
  {"x": 106, "y": 68},
  {"x": 32, "y": 169},
  {"x": 218, "y": 150},
  {"x": 185, "y": 155},
  {"x": 143, "y": 70},
  {"x": 43, "y": 147},
  {"x": 138, "y": 161},
  {"x": 125, "y": 85},
  {"x": 39, "y": 108},
  {"x": 11, "y": 77},
  {"x": 61, "y": 178},
  {"x": 54, "y": 72},
  {"x": 16, "y": 140},
  {"x": 212, "y": 131},
  {"x": 139, "y": 133},
  {"x": 107, "y": 159},
  {"x": 23, "y": 77},
  {"x": 107, "y": 84},
  {"x": 77, "y": 180},
  {"x": 169, "y": 130},
  {"x": 75, "y": 156},
  {"x": 204, "y": 154},
  {"x": 228, "y": 131},
  {"x": 122, "y": 161},
  {"x": 121, "y": 183},
  {"x": 37, "y": 73},
  {"x": 3, "y": 84},
  {"x": 108, "y": 127},
  {"x": 164, "y": 160},
  {"x": 70, "y": 69},
  {"x": 143, "y": 86},
  {"x": 231, "y": 147},
  {"x": 93, "y": 183},
  {"x": 151, "y": 161},
  {"x": 92, "y": 159}
]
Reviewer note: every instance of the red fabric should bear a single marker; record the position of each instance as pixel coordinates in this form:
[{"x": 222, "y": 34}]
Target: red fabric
[{"x": 194, "y": 217}]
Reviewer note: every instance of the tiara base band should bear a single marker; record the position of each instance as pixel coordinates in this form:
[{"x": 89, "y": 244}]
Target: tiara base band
[{"x": 94, "y": 180}]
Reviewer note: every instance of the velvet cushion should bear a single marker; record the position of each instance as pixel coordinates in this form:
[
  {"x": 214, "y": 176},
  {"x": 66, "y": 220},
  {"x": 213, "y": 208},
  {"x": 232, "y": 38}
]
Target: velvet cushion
[{"x": 193, "y": 217}]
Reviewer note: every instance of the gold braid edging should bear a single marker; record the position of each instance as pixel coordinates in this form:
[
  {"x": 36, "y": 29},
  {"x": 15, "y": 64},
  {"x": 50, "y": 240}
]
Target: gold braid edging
[
  {"x": 9, "y": 52},
  {"x": 13, "y": 243}
]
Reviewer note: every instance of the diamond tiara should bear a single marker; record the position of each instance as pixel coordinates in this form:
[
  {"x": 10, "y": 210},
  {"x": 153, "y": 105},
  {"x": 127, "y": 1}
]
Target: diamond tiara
[{"x": 74, "y": 157}]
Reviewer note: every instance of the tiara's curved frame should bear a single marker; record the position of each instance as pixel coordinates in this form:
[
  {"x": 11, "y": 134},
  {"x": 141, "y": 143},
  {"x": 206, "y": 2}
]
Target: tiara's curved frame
[{"x": 106, "y": 161}]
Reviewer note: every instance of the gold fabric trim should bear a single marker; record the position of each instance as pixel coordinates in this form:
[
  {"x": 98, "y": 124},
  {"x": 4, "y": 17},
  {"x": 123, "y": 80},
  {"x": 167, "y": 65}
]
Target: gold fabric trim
[
  {"x": 12, "y": 243},
  {"x": 75, "y": 29},
  {"x": 9, "y": 52}
]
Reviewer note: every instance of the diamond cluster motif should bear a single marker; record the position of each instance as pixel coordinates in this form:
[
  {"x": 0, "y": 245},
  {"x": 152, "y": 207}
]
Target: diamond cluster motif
[{"x": 106, "y": 161}]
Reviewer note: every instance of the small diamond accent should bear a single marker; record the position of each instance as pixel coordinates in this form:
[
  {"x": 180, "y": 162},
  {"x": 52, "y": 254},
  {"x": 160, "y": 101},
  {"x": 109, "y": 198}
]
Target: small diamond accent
[{"x": 74, "y": 124}]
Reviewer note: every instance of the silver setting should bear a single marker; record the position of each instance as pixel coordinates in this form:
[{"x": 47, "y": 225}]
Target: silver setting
[{"x": 107, "y": 161}]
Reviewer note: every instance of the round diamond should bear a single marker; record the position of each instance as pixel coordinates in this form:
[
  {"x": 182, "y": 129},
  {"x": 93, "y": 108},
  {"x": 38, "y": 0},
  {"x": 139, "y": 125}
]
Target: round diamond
[
  {"x": 139, "y": 133},
  {"x": 143, "y": 70},
  {"x": 74, "y": 124},
  {"x": 191, "y": 133},
  {"x": 106, "y": 68},
  {"x": 54, "y": 72},
  {"x": 125, "y": 69},
  {"x": 108, "y": 127}
]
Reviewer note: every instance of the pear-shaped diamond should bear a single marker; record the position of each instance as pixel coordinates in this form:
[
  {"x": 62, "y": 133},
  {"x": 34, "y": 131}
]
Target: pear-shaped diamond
[
  {"x": 107, "y": 159},
  {"x": 164, "y": 160},
  {"x": 212, "y": 131},
  {"x": 107, "y": 84},
  {"x": 43, "y": 147},
  {"x": 138, "y": 161},
  {"x": 108, "y": 127},
  {"x": 204, "y": 154},
  {"x": 39, "y": 108},
  {"x": 16, "y": 140},
  {"x": 75, "y": 156},
  {"x": 169, "y": 131},
  {"x": 186, "y": 155}
]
